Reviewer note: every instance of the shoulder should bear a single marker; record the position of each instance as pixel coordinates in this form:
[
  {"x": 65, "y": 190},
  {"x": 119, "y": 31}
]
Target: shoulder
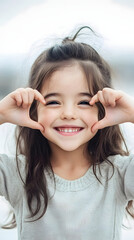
[
  {"x": 11, "y": 184},
  {"x": 122, "y": 166},
  {"x": 124, "y": 174},
  {"x": 120, "y": 161},
  {"x": 8, "y": 164},
  {"x": 117, "y": 165},
  {"x": 10, "y": 159}
]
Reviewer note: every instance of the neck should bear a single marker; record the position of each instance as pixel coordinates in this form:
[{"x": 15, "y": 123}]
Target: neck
[{"x": 70, "y": 160}]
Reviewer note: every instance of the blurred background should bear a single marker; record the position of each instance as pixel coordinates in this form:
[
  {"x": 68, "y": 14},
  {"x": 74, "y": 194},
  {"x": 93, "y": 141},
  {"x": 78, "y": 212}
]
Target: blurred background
[{"x": 29, "y": 26}]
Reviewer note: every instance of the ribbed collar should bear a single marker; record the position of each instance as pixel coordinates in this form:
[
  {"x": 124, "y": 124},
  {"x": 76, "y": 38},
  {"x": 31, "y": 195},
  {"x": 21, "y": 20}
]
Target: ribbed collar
[{"x": 71, "y": 185}]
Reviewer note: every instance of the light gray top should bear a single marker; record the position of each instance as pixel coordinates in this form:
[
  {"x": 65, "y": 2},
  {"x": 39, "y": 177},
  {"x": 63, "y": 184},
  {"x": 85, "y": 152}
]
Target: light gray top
[{"x": 81, "y": 209}]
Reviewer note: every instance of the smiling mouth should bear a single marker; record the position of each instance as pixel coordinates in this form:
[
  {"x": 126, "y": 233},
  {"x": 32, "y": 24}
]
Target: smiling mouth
[{"x": 68, "y": 130}]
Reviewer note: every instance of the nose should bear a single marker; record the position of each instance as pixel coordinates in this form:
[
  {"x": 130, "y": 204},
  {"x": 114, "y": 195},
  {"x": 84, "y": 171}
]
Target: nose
[{"x": 68, "y": 112}]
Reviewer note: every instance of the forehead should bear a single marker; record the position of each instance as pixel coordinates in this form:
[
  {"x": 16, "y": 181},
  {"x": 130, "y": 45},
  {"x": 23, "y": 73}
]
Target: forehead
[{"x": 68, "y": 79}]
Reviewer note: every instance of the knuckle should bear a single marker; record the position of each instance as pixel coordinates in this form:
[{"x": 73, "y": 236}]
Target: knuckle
[
  {"x": 105, "y": 90},
  {"x": 99, "y": 93},
  {"x": 29, "y": 90},
  {"x": 35, "y": 90},
  {"x": 19, "y": 89},
  {"x": 17, "y": 95}
]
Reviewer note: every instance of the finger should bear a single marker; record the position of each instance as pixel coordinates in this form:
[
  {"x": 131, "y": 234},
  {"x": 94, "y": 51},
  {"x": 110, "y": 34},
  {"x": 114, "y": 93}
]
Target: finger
[
  {"x": 25, "y": 98},
  {"x": 21, "y": 97},
  {"x": 98, "y": 98},
  {"x": 34, "y": 125},
  {"x": 17, "y": 97},
  {"x": 30, "y": 97},
  {"x": 101, "y": 98},
  {"x": 109, "y": 97},
  {"x": 111, "y": 102},
  {"x": 94, "y": 99},
  {"x": 99, "y": 125},
  {"x": 38, "y": 96}
]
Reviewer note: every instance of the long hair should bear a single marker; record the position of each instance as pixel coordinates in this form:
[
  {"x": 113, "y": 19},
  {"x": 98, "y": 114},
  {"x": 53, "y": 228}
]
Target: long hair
[{"x": 35, "y": 147}]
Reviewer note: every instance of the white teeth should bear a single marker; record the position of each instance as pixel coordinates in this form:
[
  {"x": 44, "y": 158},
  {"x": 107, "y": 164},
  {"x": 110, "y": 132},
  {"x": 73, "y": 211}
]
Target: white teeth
[{"x": 66, "y": 130}]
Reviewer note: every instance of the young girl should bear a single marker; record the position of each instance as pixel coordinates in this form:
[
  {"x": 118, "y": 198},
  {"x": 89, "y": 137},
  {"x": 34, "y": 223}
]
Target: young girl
[{"x": 71, "y": 178}]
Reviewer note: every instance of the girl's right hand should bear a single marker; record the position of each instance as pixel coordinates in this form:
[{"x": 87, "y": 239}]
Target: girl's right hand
[{"x": 14, "y": 108}]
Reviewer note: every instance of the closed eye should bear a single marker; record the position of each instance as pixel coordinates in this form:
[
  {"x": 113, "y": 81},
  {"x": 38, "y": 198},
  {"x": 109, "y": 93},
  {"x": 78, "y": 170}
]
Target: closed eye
[
  {"x": 52, "y": 103},
  {"x": 56, "y": 103},
  {"x": 84, "y": 103}
]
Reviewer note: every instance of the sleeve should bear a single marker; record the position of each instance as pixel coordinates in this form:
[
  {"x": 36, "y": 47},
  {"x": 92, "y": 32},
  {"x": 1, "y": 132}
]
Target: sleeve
[
  {"x": 125, "y": 175},
  {"x": 11, "y": 185}
]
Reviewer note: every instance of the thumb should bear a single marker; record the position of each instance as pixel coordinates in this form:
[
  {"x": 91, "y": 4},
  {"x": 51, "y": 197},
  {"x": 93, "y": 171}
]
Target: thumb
[
  {"x": 35, "y": 125},
  {"x": 99, "y": 125}
]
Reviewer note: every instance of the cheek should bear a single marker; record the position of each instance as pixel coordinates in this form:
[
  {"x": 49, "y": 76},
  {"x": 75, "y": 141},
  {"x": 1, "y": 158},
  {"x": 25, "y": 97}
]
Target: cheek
[
  {"x": 46, "y": 117},
  {"x": 90, "y": 117}
]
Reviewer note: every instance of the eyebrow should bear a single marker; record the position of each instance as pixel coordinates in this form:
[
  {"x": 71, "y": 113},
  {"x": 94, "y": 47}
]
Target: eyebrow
[{"x": 59, "y": 94}]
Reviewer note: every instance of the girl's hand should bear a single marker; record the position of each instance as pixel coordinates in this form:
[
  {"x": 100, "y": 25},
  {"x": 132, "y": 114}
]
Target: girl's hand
[
  {"x": 14, "y": 108},
  {"x": 119, "y": 108}
]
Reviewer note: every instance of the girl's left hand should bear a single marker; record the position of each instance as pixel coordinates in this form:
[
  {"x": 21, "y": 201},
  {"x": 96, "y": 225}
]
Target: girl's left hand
[{"x": 119, "y": 108}]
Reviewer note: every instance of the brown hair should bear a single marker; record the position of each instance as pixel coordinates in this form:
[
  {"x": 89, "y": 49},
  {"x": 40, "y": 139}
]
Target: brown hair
[{"x": 31, "y": 143}]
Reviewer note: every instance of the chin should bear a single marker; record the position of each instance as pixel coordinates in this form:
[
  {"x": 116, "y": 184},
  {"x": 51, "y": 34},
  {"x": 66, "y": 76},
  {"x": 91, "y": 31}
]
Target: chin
[{"x": 69, "y": 148}]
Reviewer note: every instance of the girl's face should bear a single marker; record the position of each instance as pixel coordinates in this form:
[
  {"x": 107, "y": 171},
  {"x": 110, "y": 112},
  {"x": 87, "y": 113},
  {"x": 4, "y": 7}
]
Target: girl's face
[{"x": 67, "y": 116}]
